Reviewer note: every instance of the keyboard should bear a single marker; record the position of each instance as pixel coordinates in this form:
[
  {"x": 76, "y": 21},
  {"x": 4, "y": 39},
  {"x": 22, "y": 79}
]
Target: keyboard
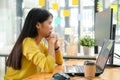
[
  {"x": 79, "y": 68},
  {"x": 74, "y": 68}
]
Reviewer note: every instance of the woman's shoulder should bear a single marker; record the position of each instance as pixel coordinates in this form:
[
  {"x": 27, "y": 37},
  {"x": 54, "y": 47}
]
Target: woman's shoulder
[{"x": 28, "y": 40}]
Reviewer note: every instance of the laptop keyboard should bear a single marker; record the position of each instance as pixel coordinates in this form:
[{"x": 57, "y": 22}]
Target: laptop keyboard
[
  {"x": 74, "y": 68},
  {"x": 79, "y": 68}
]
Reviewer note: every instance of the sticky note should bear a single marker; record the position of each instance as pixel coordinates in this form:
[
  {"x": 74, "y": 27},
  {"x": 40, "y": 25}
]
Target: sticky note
[
  {"x": 79, "y": 17},
  {"x": 119, "y": 18},
  {"x": 42, "y": 2},
  {"x": 74, "y": 2},
  {"x": 99, "y": 6},
  {"x": 109, "y": 46},
  {"x": 115, "y": 7},
  {"x": 68, "y": 31},
  {"x": 66, "y": 13},
  {"x": 55, "y": 6},
  {"x": 57, "y": 20}
]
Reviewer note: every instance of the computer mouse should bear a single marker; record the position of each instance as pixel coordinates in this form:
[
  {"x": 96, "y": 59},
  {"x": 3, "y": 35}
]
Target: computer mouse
[{"x": 60, "y": 76}]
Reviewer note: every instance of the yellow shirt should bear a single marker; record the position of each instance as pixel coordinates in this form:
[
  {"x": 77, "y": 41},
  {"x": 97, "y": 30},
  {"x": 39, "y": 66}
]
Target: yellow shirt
[{"x": 34, "y": 59}]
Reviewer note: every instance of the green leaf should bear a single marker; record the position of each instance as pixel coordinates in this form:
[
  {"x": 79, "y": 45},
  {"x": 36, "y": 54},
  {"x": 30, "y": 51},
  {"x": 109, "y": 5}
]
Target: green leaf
[{"x": 86, "y": 41}]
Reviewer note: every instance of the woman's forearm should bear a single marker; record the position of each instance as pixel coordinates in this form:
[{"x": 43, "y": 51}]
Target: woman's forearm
[{"x": 51, "y": 50}]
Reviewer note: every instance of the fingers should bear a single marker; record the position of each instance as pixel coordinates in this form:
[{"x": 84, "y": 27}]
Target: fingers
[{"x": 53, "y": 37}]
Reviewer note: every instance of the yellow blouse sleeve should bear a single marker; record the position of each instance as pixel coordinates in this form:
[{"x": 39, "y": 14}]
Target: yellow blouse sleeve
[
  {"x": 58, "y": 54},
  {"x": 58, "y": 57},
  {"x": 34, "y": 54}
]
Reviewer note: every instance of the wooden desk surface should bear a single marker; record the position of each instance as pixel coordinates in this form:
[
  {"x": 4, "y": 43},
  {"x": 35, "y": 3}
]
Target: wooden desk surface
[{"x": 108, "y": 74}]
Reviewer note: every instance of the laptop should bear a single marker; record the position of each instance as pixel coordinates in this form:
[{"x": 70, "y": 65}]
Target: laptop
[{"x": 100, "y": 61}]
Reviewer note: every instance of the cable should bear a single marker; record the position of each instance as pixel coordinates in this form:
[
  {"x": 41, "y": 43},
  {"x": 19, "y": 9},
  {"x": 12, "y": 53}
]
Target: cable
[
  {"x": 117, "y": 54},
  {"x": 117, "y": 57}
]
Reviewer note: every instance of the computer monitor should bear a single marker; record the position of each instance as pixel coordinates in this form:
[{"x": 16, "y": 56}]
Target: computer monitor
[
  {"x": 104, "y": 29},
  {"x": 103, "y": 26}
]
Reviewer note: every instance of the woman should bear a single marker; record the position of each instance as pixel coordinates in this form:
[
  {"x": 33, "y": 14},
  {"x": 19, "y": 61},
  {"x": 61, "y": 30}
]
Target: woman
[{"x": 29, "y": 54}]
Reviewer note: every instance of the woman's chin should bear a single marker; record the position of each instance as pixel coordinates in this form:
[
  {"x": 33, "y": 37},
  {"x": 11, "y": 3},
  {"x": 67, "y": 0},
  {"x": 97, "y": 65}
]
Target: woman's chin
[{"x": 47, "y": 36}]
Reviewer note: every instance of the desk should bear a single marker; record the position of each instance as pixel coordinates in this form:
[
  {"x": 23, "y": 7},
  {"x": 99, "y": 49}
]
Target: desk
[{"x": 108, "y": 74}]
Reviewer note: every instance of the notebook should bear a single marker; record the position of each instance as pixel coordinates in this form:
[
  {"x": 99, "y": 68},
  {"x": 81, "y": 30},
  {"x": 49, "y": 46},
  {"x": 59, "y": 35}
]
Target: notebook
[{"x": 100, "y": 61}]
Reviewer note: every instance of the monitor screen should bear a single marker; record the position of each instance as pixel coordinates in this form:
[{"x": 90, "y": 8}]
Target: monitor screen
[{"x": 103, "y": 26}]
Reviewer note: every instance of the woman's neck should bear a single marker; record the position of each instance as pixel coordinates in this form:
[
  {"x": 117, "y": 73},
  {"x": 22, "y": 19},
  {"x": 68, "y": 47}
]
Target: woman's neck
[{"x": 38, "y": 39}]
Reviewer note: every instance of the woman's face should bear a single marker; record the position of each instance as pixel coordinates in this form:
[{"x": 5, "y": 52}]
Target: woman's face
[{"x": 45, "y": 28}]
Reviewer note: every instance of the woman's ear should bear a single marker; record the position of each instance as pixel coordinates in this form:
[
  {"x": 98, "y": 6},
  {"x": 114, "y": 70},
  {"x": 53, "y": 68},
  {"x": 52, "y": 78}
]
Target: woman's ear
[{"x": 38, "y": 25}]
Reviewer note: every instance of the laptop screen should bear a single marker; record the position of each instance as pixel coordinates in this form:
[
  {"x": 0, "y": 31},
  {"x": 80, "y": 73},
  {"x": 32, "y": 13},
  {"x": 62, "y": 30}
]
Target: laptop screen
[{"x": 104, "y": 54}]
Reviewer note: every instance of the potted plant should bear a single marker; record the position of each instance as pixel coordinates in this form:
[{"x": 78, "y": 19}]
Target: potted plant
[{"x": 87, "y": 42}]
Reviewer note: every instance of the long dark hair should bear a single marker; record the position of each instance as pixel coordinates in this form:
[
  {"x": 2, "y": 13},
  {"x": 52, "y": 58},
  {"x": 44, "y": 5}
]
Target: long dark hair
[{"x": 29, "y": 30}]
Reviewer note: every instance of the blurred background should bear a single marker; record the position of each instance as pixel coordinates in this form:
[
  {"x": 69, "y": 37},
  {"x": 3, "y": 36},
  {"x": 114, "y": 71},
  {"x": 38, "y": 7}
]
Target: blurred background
[{"x": 72, "y": 19}]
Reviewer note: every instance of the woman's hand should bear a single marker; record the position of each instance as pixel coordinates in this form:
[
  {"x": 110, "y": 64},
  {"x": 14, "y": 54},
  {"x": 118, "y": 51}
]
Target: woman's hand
[
  {"x": 52, "y": 43},
  {"x": 52, "y": 39},
  {"x": 56, "y": 43}
]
